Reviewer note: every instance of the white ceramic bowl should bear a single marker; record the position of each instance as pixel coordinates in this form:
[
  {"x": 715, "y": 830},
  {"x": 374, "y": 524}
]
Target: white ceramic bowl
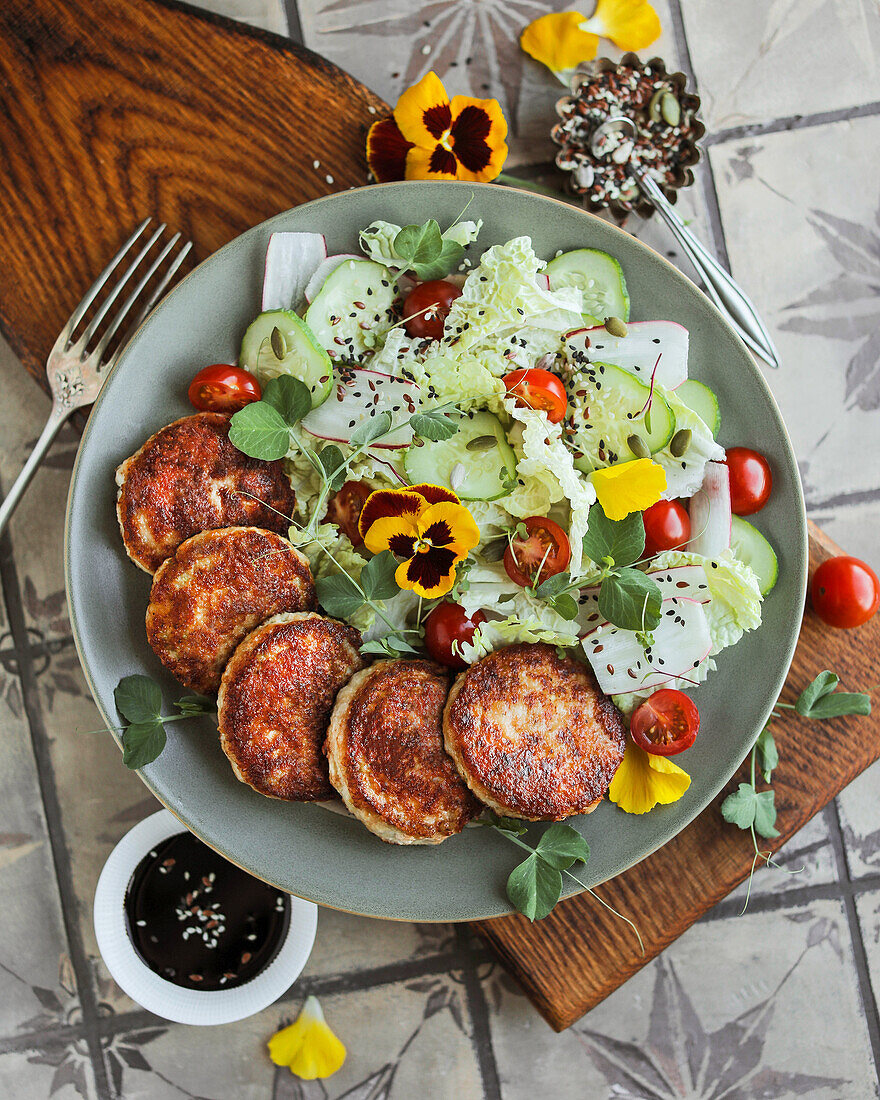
[{"x": 161, "y": 997}]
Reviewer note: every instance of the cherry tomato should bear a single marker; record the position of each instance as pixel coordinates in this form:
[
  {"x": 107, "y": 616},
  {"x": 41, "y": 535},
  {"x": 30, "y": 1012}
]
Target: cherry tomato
[
  {"x": 845, "y": 592},
  {"x": 446, "y": 624},
  {"x": 667, "y": 527},
  {"x": 666, "y": 723},
  {"x": 345, "y": 506},
  {"x": 538, "y": 389},
  {"x": 427, "y": 307},
  {"x": 750, "y": 480},
  {"x": 223, "y": 388},
  {"x": 545, "y": 547}
]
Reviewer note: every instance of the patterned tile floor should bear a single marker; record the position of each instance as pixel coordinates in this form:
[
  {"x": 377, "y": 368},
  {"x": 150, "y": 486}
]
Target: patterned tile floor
[{"x": 778, "y": 1003}]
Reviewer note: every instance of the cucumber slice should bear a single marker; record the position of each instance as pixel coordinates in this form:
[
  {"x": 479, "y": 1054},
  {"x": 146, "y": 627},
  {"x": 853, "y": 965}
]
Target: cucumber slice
[
  {"x": 597, "y": 276},
  {"x": 750, "y": 546},
  {"x": 608, "y": 404},
  {"x": 352, "y": 309},
  {"x": 480, "y": 446},
  {"x": 701, "y": 400},
  {"x": 303, "y": 357}
]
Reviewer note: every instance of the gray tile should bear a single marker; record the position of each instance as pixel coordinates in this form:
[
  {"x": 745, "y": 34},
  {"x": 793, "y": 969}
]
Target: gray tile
[
  {"x": 859, "y": 808},
  {"x": 812, "y": 265},
  {"x": 266, "y": 14},
  {"x": 738, "y": 1007},
  {"x": 868, "y": 910},
  {"x": 757, "y": 61},
  {"x": 346, "y": 943},
  {"x": 60, "y": 1069},
  {"x": 37, "y": 987},
  {"x": 404, "y": 1040}
]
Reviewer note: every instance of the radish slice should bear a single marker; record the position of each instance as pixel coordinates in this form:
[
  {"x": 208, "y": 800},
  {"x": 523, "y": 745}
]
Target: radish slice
[
  {"x": 291, "y": 260},
  {"x": 637, "y": 352},
  {"x": 622, "y": 664},
  {"x": 543, "y": 281},
  {"x": 358, "y": 396},
  {"x": 685, "y": 582},
  {"x": 710, "y": 512},
  {"x": 323, "y": 272}
]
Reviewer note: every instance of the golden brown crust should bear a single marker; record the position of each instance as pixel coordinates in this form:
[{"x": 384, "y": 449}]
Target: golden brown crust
[
  {"x": 385, "y": 748},
  {"x": 188, "y": 478},
  {"x": 219, "y": 586},
  {"x": 275, "y": 701},
  {"x": 531, "y": 733}
]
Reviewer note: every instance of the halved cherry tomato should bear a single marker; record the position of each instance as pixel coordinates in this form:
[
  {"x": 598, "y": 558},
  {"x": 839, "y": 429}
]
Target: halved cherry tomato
[
  {"x": 544, "y": 547},
  {"x": 427, "y": 307},
  {"x": 345, "y": 506},
  {"x": 538, "y": 389},
  {"x": 446, "y": 624},
  {"x": 223, "y": 388},
  {"x": 666, "y": 723},
  {"x": 667, "y": 527},
  {"x": 845, "y": 592},
  {"x": 750, "y": 480}
]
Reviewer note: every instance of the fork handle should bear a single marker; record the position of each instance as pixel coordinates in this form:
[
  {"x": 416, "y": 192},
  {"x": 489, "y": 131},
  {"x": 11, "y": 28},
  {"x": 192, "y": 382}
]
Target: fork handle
[
  {"x": 724, "y": 291},
  {"x": 56, "y": 418}
]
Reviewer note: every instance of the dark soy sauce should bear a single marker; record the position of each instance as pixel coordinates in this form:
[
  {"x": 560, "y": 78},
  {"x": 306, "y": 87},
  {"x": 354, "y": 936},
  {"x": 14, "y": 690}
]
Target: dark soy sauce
[{"x": 199, "y": 921}]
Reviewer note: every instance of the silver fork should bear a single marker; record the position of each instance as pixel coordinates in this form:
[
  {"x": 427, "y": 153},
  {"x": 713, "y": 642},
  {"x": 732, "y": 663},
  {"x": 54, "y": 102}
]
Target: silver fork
[{"x": 76, "y": 374}]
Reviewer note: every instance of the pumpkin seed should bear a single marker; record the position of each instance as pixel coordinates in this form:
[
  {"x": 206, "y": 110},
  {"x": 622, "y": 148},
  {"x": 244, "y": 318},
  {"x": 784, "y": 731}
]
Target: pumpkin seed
[
  {"x": 681, "y": 441},
  {"x": 457, "y": 475},
  {"x": 482, "y": 443},
  {"x": 638, "y": 446},
  {"x": 670, "y": 108},
  {"x": 279, "y": 346},
  {"x": 615, "y": 326},
  {"x": 654, "y": 106}
]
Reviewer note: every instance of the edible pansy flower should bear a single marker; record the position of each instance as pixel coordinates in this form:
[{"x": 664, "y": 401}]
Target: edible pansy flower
[
  {"x": 428, "y": 527},
  {"x": 562, "y": 40},
  {"x": 433, "y": 137},
  {"x": 643, "y": 780},
  {"x": 628, "y": 487},
  {"x": 308, "y": 1046}
]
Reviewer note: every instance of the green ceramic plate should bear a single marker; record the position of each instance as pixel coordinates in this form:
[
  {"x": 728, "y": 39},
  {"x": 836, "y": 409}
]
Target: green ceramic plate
[{"x": 305, "y": 849}]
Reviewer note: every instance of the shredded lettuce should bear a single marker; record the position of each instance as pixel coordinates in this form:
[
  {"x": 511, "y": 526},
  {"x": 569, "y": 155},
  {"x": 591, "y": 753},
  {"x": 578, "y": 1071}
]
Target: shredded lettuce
[
  {"x": 377, "y": 240},
  {"x": 330, "y": 552},
  {"x": 307, "y": 482}
]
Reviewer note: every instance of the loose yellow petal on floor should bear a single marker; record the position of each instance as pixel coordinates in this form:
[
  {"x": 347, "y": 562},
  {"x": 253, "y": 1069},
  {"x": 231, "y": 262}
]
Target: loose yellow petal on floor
[
  {"x": 643, "y": 780},
  {"x": 308, "y": 1046},
  {"x": 630, "y": 24},
  {"x": 628, "y": 487},
  {"x": 558, "y": 41}
]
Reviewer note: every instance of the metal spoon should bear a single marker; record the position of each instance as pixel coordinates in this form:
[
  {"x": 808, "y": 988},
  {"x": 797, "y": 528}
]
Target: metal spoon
[{"x": 614, "y": 140}]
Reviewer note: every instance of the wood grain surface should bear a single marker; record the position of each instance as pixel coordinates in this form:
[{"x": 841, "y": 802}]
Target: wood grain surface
[
  {"x": 112, "y": 110},
  {"x": 574, "y": 958}
]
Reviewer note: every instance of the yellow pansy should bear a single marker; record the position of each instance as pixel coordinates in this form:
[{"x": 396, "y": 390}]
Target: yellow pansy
[
  {"x": 630, "y": 24},
  {"x": 628, "y": 487},
  {"x": 557, "y": 41},
  {"x": 308, "y": 1046},
  {"x": 562, "y": 40},
  {"x": 643, "y": 780}
]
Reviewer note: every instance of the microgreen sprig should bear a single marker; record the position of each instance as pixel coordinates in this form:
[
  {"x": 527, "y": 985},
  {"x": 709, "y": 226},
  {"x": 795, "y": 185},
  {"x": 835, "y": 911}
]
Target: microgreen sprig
[{"x": 139, "y": 700}]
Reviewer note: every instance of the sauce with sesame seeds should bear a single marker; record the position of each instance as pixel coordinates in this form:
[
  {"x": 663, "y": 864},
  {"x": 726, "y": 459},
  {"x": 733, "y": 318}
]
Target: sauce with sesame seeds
[{"x": 199, "y": 921}]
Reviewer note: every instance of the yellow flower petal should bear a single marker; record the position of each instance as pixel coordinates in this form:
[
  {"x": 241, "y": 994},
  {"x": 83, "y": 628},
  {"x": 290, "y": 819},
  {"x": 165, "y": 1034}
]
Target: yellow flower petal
[
  {"x": 630, "y": 24},
  {"x": 382, "y": 532},
  {"x": 628, "y": 487},
  {"x": 455, "y": 519},
  {"x": 436, "y": 163},
  {"x": 477, "y": 137},
  {"x": 423, "y": 113},
  {"x": 308, "y": 1046},
  {"x": 558, "y": 41},
  {"x": 443, "y": 586},
  {"x": 643, "y": 780}
]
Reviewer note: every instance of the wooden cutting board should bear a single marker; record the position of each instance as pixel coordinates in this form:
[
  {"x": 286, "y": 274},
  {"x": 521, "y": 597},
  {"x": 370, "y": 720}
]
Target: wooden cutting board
[{"x": 112, "y": 110}]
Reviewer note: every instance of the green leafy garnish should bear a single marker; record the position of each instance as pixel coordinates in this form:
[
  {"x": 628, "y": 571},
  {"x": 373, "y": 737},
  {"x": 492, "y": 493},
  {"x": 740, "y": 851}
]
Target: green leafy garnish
[
  {"x": 262, "y": 428},
  {"x": 370, "y": 429},
  {"x": 290, "y": 396},
  {"x": 333, "y": 466},
  {"x": 341, "y": 595},
  {"x": 619, "y": 542},
  {"x": 747, "y": 807},
  {"x": 630, "y": 599},
  {"x": 139, "y": 700},
  {"x": 821, "y": 699},
  {"x": 425, "y": 252},
  {"x": 434, "y": 425}
]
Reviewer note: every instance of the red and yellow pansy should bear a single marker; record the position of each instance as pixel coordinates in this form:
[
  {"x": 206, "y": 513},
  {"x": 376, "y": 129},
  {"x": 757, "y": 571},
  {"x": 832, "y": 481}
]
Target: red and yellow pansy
[
  {"x": 432, "y": 137},
  {"x": 425, "y": 525}
]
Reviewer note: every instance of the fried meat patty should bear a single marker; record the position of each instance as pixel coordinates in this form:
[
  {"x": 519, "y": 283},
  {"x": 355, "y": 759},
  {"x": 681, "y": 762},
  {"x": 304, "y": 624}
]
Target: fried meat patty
[
  {"x": 275, "y": 700},
  {"x": 385, "y": 749},
  {"x": 218, "y": 586},
  {"x": 531, "y": 733},
  {"x": 185, "y": 479}
]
